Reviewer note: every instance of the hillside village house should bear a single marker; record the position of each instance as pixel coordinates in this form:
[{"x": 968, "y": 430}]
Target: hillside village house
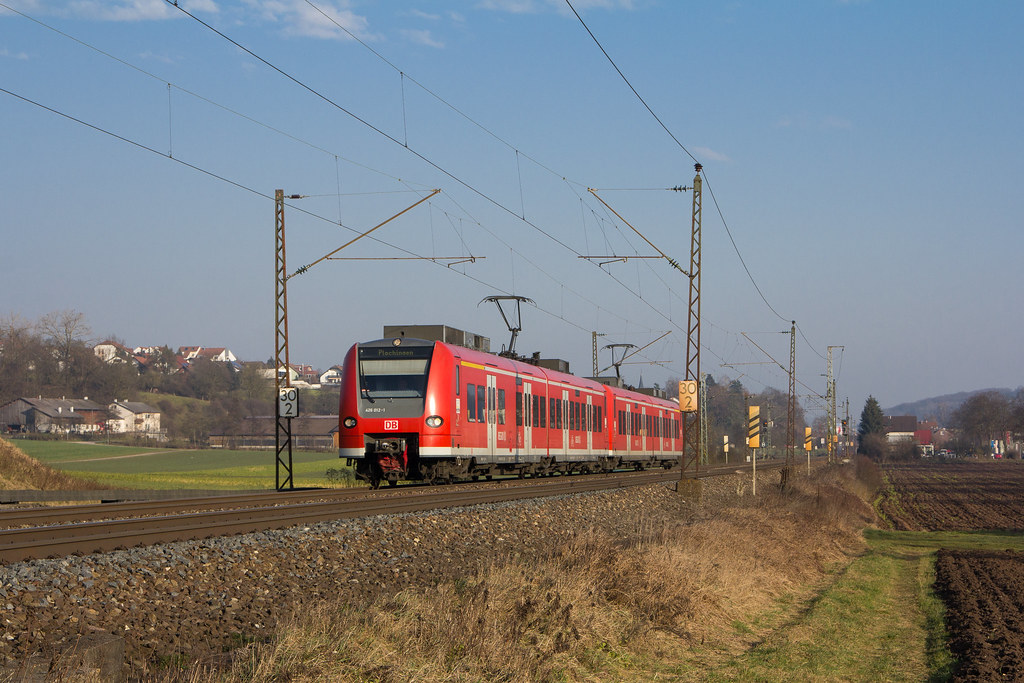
[
  {"x": 53, "y": 415},
  {"x": 114, "y": 352},
  {"x": 331, "y": 378},
  {"x": 215, "y": 353},
  {"x": 134, "y": 417}
]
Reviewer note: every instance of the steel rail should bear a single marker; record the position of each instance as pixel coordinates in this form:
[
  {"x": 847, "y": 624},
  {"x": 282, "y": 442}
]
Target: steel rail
[
  {"x": 89, "y": 537},
  {"x": 191, "y": 523}
]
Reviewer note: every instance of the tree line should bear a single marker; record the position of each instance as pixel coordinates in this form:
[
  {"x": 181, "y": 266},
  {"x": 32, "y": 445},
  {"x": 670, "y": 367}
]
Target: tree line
[
  {"x": 984, "y": 417},
  {"x": 53, "y": 357}
]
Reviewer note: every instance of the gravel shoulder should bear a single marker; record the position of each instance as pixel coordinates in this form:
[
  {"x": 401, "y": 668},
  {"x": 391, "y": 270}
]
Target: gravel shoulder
[{"x": 185, "y": 600}]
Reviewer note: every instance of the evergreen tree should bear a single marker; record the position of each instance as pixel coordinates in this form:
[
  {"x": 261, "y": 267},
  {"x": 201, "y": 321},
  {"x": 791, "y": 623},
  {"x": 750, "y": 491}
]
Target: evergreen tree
[{"x": 872, "y": 423}]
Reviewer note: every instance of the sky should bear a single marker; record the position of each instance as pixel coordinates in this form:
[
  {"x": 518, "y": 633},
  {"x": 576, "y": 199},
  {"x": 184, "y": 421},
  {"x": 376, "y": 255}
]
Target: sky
[{"x": 862, "y": 164}]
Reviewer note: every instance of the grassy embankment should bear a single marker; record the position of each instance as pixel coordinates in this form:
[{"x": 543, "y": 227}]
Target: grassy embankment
[
  {"x": 781, "y": 587},
  {"x": 787, "y": 587},
  {"x": 166, "y": 468}
]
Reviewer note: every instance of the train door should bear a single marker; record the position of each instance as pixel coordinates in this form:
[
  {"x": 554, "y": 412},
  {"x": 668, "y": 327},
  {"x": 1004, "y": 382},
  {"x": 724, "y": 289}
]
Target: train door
[
  {"x": 644, "y": 436},
  {"x": 492, "y": 410},
  {"x": 564, "y": 412},
  {"x": 588, "y": 423},
  {"x": 627, "y": 429},
  {"x": 527, "y": 418}
]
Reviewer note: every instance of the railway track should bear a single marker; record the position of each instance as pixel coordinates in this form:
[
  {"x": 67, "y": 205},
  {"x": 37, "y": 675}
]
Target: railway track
[{"x": 64, "y": 531}]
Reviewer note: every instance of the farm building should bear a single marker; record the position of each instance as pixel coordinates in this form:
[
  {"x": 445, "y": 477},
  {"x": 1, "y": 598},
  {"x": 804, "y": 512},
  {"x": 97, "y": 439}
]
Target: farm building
[{"x": 53, "y": 415}]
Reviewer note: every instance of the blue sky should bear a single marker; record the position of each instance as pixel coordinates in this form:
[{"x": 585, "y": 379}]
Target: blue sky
[{"x": 866, "y": 158}]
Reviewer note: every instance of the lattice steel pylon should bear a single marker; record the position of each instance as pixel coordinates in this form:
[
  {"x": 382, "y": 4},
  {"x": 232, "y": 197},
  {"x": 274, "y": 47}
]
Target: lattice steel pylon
[
  {"x": 595, "y": 335},
  {"x": 282, "y": 363},
  {"x": 690, "y": 457},
  {"x": 703, "y": 389}
]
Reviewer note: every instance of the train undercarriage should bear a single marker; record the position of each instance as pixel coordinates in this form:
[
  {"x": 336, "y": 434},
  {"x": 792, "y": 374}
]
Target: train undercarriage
[{"x": 394, "y": 459}]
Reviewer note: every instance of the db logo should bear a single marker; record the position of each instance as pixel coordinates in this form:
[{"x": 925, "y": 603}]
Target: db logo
[{"x": 391, "y": 425}]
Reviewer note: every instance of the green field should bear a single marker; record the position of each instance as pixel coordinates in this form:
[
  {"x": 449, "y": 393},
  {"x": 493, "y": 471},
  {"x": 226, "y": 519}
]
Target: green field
[
  {"x": 170, "y": 468},
  {"x": 881, "y": 606}
]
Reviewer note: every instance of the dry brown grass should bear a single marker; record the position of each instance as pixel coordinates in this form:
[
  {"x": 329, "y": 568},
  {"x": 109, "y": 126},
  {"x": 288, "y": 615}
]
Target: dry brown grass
[
  {"x": 673, "y": 600},
  {"x": 20, "y": 471}
]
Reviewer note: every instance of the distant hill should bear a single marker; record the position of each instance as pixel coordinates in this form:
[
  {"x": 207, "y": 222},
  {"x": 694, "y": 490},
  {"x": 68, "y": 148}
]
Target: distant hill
[{"x": 940, "y": 408}]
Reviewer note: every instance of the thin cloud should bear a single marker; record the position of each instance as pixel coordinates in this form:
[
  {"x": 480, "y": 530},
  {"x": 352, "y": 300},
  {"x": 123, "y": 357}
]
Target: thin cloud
[
  {"x": 423, "y": 15},
  {"x": 534, "y": 6},
  {"x": 113, "y": 10},
  {"x": 20, "y": 56},
  {"x": 130, "y": 10},
  {"x": 421, "y": 37},
  {"x": 299, "y": 18}
]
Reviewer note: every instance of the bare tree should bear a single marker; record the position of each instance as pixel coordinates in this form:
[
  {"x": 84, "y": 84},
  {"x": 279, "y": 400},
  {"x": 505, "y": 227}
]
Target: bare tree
[{"x": 67, "y": 333}]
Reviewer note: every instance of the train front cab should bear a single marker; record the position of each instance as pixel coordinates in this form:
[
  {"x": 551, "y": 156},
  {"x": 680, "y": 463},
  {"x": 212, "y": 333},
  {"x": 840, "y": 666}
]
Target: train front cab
[{"x": 394, "y": 407}]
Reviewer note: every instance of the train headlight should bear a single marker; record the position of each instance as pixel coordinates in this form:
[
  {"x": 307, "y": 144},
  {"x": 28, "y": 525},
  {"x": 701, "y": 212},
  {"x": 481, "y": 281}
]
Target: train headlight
[
  {"x": 435, "y": 421},
  {"x": 349, "y": 422}
]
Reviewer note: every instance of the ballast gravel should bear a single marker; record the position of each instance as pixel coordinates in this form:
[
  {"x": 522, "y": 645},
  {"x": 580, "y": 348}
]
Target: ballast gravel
[{"x": 180, "y": 600}]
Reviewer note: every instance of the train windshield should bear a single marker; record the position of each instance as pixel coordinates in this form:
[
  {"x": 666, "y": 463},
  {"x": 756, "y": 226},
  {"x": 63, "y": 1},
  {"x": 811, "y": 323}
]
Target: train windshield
[{"x": 393, "y": 377}]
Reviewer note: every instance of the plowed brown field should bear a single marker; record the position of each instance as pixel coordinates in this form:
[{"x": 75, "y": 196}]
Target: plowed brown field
[
  {"x": 984, "y": 595},
  {"x": 983, "y": 590},
  {"x": 962, "y": 496}
]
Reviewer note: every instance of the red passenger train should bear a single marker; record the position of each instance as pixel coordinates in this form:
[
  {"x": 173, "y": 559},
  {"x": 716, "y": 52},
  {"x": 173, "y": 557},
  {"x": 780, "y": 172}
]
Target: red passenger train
[{"x": 431, "y": 411}]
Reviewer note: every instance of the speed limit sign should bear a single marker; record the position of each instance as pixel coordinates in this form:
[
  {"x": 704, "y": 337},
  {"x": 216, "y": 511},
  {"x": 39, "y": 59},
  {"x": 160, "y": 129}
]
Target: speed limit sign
[
  {"x": 688, "y": 396},
  {"x": 288, "y": 402}
]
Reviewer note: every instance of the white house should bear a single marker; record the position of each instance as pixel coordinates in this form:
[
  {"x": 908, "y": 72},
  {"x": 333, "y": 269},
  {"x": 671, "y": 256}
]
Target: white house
[
  {"x": 332, "y": 377},
  {"x": 133, "y": 417},
  {"x": 114, "y": 352},
  {"x": 215, "y": 353}
]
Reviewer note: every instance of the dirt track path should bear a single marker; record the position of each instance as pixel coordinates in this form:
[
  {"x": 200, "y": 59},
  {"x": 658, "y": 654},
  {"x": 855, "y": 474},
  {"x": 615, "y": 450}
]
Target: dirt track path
[{"x": 113, "y": 457}]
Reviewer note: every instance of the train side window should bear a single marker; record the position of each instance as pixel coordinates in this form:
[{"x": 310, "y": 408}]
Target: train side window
[
  {"x": 540, "y": 413},
  {"x": 481, "y": 403},
  {"x": 457, "y": 373},
  {"x": 551, "y": 411},
  {"x": 536, "y": 413},
  {"x": 519, "y": 409},
  {"x": 501, "y": 406},
  {"x": 600, "y": 420},
  {"x": 470, "y": 403}
]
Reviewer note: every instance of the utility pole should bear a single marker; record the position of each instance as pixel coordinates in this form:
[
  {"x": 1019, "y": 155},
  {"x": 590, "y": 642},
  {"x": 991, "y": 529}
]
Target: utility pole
[
  {"x": 791, "y": 407},
  {"x": 846, "y": 431},
  {"x": 830, "y": 407},
  {"x": 691, "y": 420}
]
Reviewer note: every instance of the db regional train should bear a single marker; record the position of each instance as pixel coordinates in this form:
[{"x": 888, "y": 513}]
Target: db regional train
[{"x": 429, "y": 411}]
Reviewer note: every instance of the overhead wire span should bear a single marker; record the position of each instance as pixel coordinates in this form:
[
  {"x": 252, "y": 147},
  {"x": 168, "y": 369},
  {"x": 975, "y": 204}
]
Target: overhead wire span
[
  {"x": 264, "y": 195},
  {"x": 682, "y": 147},
  {"x": 280, "y": 132},
  {"x": 364, "y": 122},
  {"x": 626, "y": 80}
]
